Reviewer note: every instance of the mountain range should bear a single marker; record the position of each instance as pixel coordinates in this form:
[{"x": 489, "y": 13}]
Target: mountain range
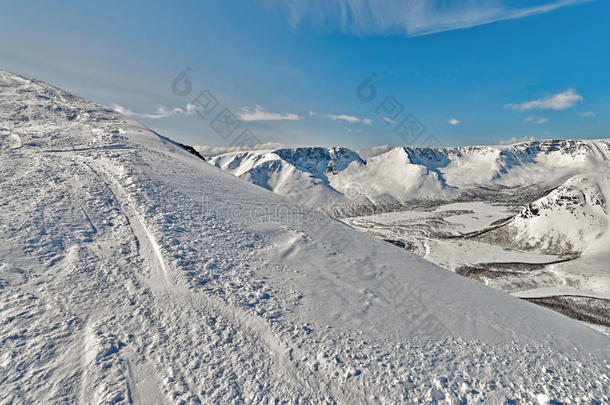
[{"x": 562, "y": 184}]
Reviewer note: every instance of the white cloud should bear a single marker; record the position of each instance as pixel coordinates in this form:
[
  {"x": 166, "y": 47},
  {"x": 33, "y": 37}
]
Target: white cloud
[
  {"x": 191, "y": 108},
  {"x": 533, "y": 120},
  {"x": 345, "y": 117},
  {"x": 559, "y": 101},
  {"x": 373, "y": 151},
  {"x": 207, "y": 150},
  {"x": 388, "y": 120},
  {"x": 247, "y": 114},
  {"x": 161, "y": 112},
  {"x": 122, "y": 110},
  {"x": 514, "y": 140},
  {"x": 453, "y": 121},
  {"x": 587, "y": 114},
  {"x": 259, "y": 113},
  {"x": 350, "y": 119},
  {"x": 411, "y": 17}
]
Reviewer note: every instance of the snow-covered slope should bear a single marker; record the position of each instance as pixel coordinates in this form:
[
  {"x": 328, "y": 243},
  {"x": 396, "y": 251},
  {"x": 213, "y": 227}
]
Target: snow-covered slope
[
  {"x": 132, "y": 271},
  {"x": 405, "y": 174},
  {"x": 573, "y": 219}
]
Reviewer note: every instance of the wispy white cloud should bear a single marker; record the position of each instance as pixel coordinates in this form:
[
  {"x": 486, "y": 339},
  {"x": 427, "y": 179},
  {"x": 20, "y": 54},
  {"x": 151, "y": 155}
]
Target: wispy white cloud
[
  {"x": 191, "y": 108},
  {"x": 207, "y": 150},
  {"x": 259, "y": 113},
  {"x": 350, "y": 119},
  {"x": 514, "y": 140},
  {"x": 411, "y": 17},
  {"x": 373, "y": 151},
  {"x": 161, "y": 112},
  {"x": 587, "y": 114},
  {"x": 453, "y": 121},
  {"x": 122, "y": 110},
  {"x": 559, "y": 101},
  {"x": 532, "y": 119}
]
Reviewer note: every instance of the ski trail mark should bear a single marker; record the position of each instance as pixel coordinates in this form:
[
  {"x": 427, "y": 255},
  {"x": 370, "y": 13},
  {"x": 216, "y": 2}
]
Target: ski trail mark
[
  {"x": 149, "y": 248},
  {"x": 87, "y": 357}
]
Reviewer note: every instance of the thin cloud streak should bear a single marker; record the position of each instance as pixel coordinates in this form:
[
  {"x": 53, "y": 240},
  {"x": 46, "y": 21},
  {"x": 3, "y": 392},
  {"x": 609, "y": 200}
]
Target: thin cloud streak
[
  {"x": 259, "y": 113},
  {"x": 350, "y": 119},
  {"x": 247, "y": 114},
  {"x": 410, "y": 17},
  {"x": 161, "y": 112},
  {"x": 533, "y": 120}
]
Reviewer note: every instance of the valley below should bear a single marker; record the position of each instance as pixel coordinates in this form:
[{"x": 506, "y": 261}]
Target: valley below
[{"x": 453, "y": 237}]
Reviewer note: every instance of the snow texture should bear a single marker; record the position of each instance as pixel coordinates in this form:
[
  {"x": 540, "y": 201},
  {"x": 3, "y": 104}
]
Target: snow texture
[{"x": 131, "y": 271}]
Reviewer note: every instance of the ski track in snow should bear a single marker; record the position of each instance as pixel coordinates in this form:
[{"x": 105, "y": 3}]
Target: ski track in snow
[
  {"x": 146, "y": 240},
  {"x": 152, "y": 253},
  {"x": 117, "y": 286}
]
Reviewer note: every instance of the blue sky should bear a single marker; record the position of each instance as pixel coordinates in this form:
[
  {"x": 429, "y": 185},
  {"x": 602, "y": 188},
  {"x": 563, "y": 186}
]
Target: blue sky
[{"x": 469, "y": 71}]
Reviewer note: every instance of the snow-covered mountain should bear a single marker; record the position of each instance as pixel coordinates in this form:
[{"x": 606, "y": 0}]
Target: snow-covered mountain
[
  {"x": 402, "y": 175},
  {"x": 303, "y": 174},
  {"x": 573, "y": 219},
  {"x": 131, "y": 271},
  {"x": 562, "y": 186}
]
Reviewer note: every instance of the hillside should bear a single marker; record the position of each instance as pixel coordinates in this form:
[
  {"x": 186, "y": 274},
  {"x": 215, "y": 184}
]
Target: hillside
[{"x": 131, "y": 271}]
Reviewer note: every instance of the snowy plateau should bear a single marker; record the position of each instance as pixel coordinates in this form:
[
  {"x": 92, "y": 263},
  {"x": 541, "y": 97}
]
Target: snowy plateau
[{"x": 133, "y": 271}]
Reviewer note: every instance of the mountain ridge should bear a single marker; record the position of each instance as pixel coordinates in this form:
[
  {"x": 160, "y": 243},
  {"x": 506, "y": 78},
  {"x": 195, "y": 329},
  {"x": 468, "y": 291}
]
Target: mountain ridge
[
  {"x": 404, "y": 174},
  {"x": 131, "y": 270}
]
